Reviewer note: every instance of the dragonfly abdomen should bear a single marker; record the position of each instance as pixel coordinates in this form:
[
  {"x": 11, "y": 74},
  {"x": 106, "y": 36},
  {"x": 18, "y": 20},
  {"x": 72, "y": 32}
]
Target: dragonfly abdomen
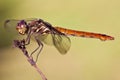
[{"x": 102, "y": 37}]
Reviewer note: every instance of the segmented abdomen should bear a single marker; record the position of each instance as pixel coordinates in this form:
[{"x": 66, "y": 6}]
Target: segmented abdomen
[{"x": 102, "y": 37}]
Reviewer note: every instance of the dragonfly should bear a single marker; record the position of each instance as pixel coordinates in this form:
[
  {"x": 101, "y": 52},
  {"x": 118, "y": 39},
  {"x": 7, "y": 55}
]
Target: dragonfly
[{"x": 44, "y": 32}]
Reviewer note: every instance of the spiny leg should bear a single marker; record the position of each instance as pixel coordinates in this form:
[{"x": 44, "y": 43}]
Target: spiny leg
[
  {"x": 28, "y": 38},
  {"x": 39, "y": 45}
]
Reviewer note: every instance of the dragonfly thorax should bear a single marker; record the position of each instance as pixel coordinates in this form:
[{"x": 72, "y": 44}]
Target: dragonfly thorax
[{"x": 40, "y": 28}]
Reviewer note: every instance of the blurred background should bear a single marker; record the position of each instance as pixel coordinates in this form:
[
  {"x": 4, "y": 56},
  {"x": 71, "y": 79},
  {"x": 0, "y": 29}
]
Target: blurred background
[{"x": 87, "y": 59}]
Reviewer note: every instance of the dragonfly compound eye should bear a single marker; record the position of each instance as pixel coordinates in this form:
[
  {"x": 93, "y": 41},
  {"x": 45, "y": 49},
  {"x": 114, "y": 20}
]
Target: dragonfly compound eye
[{"x": 21, "y": 27}]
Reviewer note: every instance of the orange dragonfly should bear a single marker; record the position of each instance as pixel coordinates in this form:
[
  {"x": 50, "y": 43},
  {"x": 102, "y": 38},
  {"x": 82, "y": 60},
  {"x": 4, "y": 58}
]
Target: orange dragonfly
[{"x": 44, "y": 32}]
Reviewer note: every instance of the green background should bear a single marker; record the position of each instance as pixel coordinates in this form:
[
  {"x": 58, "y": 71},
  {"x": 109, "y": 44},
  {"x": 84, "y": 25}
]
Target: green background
[{"x": 87, "y": 59}]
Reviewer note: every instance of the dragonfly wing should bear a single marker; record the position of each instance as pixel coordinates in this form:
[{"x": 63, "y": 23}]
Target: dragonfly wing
[
  {"x": 46, "y": 38},
  {"x": 10, "y": 26},
  {"x": 61, "y": 42}
]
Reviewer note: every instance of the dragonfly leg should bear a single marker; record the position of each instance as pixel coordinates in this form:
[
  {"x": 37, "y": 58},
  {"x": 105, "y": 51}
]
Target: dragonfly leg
[
  {"x": 28, "y": 38},
  {"x": 40, "y": 45}
]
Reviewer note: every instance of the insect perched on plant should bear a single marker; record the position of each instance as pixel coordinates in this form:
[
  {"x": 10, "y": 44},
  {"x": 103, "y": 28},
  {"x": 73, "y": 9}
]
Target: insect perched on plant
[{"x": 44, "y": 32}]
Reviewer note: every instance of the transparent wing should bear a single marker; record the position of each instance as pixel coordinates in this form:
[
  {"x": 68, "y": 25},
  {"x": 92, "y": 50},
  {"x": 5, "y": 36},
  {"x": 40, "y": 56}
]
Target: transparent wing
[
  {"x": 10, "y": 24},
  {"x": 58, "y": 39},
  {"x": 61, "y": 42},
  {"x": 46, "y": 38},
  {"x": 10, "y": 27}
]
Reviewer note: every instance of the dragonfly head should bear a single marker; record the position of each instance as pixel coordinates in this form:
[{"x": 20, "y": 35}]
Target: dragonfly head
[{"x": 22, "y": 27}]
